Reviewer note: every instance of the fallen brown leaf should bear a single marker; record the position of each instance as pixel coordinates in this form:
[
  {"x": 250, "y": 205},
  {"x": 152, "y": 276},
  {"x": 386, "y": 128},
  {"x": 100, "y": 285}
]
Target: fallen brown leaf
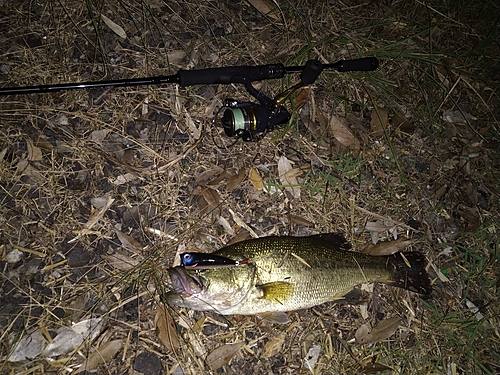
[
  {"x": 242, "y": 235},
  {"x": 301, "y": 98},
  {"x": 388, "y": 247},
  {"x": 235, "y": 180},
  {"x": 104, "y": 353},
  {"x": 211, "y": 197},
  {"x": 402, "y": 124},
  {"x": 99, "y": 135},
  {"x": 378, "y": 226},
  {"x": 34, "y": 152},
  {"x": 128, "y": 242},
  {"x": 383, "y": 330},
  {"x": 379, "y": 122},
  {"x": 300, "y": 220},
  {"x": 288, "y": 176},
  {"x": 222, "y": 355},
  {"x": 121, "y": 262},
  {"x": 312, "y": 128},
  {"x": 274, "y": 345},
  {"x": 264, "y": 8},
  {"x": 255, "y": 179},
  {"x": 117, "y": 29},
  {"x": 166, "y": 330},
  {"x": 340, "y": 130},
  {"x": 373, "y": 367},
  {"x": 206, "y": 176}
]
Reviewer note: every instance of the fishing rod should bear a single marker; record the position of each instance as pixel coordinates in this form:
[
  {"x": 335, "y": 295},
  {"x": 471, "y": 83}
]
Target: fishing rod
[{"x": 245, "y": 120}]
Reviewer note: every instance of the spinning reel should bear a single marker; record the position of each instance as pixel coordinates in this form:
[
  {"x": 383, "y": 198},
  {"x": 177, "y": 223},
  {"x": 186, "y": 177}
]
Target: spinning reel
[
  {"x": 245, "y": 120},
  {"x": 248, "y": 120}
]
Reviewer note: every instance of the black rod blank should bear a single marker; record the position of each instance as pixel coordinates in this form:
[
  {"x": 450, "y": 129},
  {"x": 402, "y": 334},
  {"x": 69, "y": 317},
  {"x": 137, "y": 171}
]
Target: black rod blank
[{"x": 224, "y": 75}]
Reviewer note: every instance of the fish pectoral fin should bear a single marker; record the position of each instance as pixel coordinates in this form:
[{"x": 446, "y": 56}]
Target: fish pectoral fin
[{"x": 277, "y": 291}]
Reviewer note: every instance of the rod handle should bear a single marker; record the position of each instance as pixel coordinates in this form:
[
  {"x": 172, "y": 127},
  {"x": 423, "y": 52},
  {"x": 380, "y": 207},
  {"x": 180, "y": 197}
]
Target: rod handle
[
  {"x": 364, "y": 64},
  {"x": 232, "y": 74}
]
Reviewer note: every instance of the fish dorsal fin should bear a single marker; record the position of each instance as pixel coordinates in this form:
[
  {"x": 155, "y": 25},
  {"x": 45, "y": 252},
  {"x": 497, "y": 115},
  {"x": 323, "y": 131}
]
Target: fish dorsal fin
[
  {"x": 276, "y": 291},
  {"x": 336, "y": 240}
]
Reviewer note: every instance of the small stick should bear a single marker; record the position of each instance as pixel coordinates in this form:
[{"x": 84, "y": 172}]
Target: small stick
[{"x": 395, "y": 222}]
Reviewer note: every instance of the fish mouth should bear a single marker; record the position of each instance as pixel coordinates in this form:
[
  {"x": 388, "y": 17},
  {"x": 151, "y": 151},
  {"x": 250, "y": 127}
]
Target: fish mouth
[{"x": 183, "y": 283}]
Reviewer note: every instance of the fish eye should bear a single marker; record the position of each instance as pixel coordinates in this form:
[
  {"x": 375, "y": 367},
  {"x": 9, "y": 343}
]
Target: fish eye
[{"x": 187, "y": 258}]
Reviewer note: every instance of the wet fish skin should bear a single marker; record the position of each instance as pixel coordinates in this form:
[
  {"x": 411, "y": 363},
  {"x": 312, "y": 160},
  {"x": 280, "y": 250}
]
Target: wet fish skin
[{"x": 291, "y": 273}]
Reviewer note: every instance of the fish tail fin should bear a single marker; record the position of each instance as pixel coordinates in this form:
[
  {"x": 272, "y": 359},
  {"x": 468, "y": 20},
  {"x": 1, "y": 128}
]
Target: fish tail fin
[{"x": 409, "y": 272}]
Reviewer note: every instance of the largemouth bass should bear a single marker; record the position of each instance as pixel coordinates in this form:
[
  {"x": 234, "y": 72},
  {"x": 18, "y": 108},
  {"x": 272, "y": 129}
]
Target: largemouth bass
[{"x": 290, "y": 273}]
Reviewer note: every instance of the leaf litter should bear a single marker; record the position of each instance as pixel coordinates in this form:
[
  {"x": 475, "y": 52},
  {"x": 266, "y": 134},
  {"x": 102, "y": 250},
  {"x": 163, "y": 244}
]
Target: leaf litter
[{"x": 64, "y": 157}]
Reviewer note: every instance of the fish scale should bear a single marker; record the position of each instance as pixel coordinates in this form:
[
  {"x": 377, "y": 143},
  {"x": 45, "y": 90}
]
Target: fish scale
[{"x": 291, "y": 273}]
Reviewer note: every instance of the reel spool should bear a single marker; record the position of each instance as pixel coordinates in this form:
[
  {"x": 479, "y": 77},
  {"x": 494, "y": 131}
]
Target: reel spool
[{"x": 249, "y": 121}]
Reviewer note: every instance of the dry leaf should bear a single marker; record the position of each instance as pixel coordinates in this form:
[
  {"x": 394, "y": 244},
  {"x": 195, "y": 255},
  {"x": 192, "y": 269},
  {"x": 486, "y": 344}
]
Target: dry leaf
[
  {"x": 69, "y": 339},
  {"x": 371, "y": 367},
  {"x": 29, "y": 347},
  {"x": 378, "y": 226},
  {"x": 166, "y": 329},
  {"x": 3, "y": 153},
  {"x": 312, "y": 357},
  {"x": 440, "y": 190},
  {"x": 242, "y": 235},
  {"x": 206, "y": 176},
  {"x": 43, "y": 143},
  {"x": 300, "y": 220},
  {"x": 225, "y": 224},
  {"x": 288, "y": 177},
  {"x": 34, "y": 153},
  {"x": 379, "y": 122},
  {"x": 238, "y": 220},
  {"x": 222, "y": 355},
  {"x": 124, "y": 178},
  {"x": 175, "y": 57},
  {"x": 255, "y": 179},
  {"x": 382, "y": 331},
  {"x": 301, "y": 98},
  {"x": 235, "y": 181},
  {"x": 99, "y": 135},
  {"x": 95, "y": 216},
  {"x": 104, "y": 353},
  {"x": 117, "y": 29},
  {"x": 202, "y": 205},
  {"x": 402, "y": 124},
  {"x": 339, "y": 128},
  {"x": 195, "y": 131},
  {"x": 312, "y": 128},
  {"x": 457, "y": 117},
  {"x": 128, "y": 242},
  {"x": 471, "y": 192},
  {"x": 388, "y": 247},
  {"x": 274, "y": 345},
  {"x": 263, "y": 7},
  {"x": 211, "y": 196},
  {"x": 121, "y": 261}
]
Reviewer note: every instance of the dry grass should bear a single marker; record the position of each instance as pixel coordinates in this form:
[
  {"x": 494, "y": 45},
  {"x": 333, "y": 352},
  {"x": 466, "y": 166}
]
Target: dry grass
[{"x": 66, "y": 259}]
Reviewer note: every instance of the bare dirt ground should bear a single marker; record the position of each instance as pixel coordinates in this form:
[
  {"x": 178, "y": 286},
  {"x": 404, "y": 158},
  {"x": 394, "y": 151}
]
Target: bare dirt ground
[{"x": 101, "y": 188}]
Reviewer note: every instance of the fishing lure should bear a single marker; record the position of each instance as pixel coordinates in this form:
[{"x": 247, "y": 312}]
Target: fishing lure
[{"x": 203, "y": 261}]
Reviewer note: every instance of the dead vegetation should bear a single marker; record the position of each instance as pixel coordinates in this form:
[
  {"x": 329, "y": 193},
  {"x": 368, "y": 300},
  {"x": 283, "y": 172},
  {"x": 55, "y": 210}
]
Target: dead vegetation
[{"x": 99, "y": 189}]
